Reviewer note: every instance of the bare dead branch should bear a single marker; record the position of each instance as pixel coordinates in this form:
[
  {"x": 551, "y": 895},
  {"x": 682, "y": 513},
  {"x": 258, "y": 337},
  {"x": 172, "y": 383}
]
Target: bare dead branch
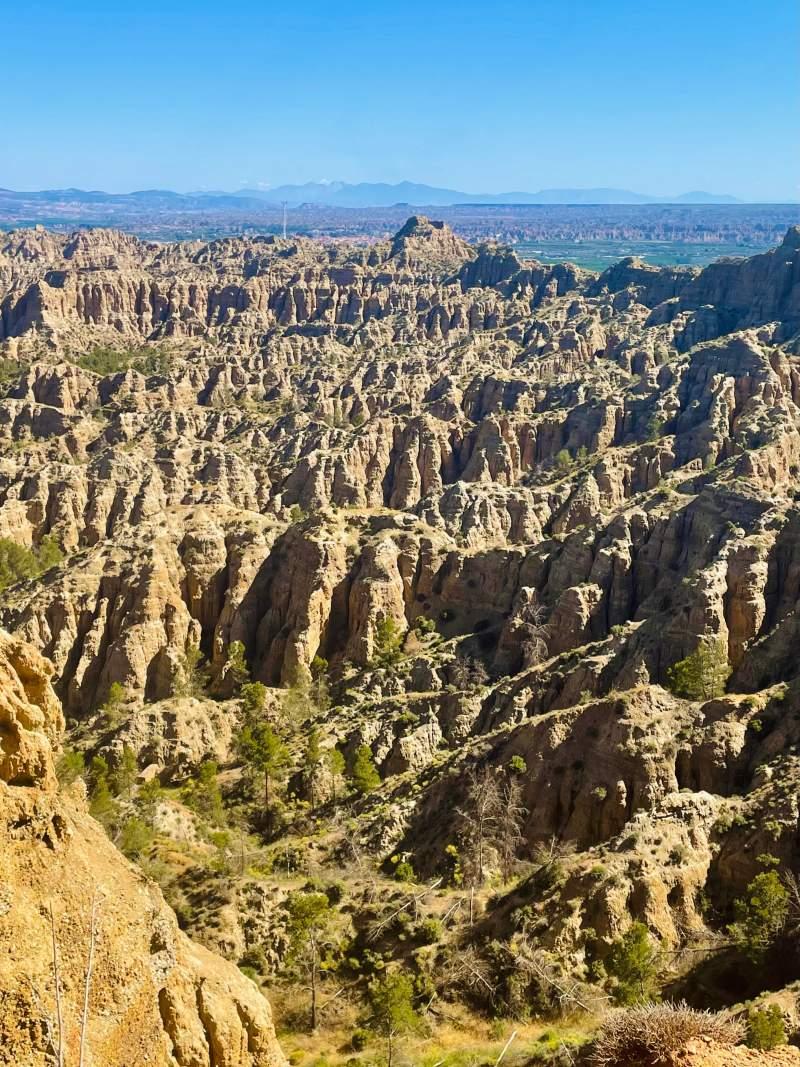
[
  {"x": 411, "y": 902},
  {"x": 506, "y": 1047}
]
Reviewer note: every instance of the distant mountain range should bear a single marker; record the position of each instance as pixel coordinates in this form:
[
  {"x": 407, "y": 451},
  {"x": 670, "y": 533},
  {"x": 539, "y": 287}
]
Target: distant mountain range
[
  {"x": 342, "y": 194},
  {"x": 380, "y": 194}
]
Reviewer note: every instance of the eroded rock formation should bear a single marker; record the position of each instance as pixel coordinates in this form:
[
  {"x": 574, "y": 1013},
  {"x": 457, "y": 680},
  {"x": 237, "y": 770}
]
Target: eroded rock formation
[
  {"x": 154, "y": 996},
  {"x": 573, "y": 479}
]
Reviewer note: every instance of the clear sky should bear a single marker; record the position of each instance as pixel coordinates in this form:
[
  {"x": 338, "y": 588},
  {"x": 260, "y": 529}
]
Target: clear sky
[{"x": 660, "y": 96}]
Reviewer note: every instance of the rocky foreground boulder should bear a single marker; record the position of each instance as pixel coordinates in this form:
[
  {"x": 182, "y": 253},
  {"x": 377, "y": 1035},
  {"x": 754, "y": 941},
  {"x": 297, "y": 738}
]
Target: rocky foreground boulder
[{"x": 69, "y": 900}]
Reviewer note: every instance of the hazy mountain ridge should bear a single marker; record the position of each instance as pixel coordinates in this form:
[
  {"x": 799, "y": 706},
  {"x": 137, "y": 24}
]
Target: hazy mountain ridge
[
  {"x": 381, "y": 194},
  {"x": 366, "y": 194}
]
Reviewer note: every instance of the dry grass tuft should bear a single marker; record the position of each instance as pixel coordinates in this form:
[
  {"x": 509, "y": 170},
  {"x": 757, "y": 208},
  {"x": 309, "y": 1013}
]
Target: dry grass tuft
[{"x": 649, "y": 1034}]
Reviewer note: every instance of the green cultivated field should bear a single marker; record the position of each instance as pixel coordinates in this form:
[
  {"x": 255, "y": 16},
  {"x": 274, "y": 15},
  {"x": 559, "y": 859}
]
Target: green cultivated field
[{"x": 597, "y": 255}]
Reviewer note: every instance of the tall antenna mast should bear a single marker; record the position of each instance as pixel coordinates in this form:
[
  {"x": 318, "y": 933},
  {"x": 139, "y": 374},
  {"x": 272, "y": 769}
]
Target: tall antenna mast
[{"x": 284, "y": 219}]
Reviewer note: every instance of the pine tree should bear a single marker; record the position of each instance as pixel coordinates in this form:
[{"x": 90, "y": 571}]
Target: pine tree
[
  {"x": 70, "y": 766},
  {"x": 388, "y": 643},
  {"x": 392, "y": 1001},
  {"x": 563, "y": 461},
  {"x": 148, "y": 799},
  {"x": 125, "y": 772},
  {"x": 236, "y": 671},
  {"x": 191, "y": 678},
  {"x": 320, "y": 694},
  {"x": 310, "y": 916},
  {"x": 135, "y": 837},
  {"x": 312, "y": 762},
  {"x": 101, "y": 803},
  {"x": 633, "y": 964},
  {"x": 760, "y": 914},
  {"x": 50, "y": 554},
  {"x": 203, "y": 794},
  {"x": 336, "y": 766},
  {"x": 264, "y": 753},
  {"x": 765, "y": 1027},
  {"x": 18, "y": 563},
  {"x": 703, "y": 674},
  {"x": 296, "y": 703},
  {"x": 254, "y": 700},
  {"x": 112, "y": 707},
  {"x": 365, "y": 774}
]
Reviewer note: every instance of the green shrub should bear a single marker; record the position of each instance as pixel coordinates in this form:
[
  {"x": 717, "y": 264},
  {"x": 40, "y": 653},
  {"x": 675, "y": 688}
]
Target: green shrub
[
  {"x": 135, "y": 837},
  {"x": 453, "y": 868},
  {"x": 192, "y": 676},
  {"x": 655, "y": 427},
  {"x": 391, "y": 999},
  {"x": 18, "y": 563},
  {"x": 404, "y": 872},
  {"x": 365, "y": 774},
  {"x": 102, "y": 805},
  {"x": 429, "y": 931},
  {"x": 254, "y": 699},
  {"x": 125, "y": 772},
  {"x": 147, "y": 800},
  {"x": 360, "y": 1039},
  {"x": 10, "y": 372},
  {"x": 254, "y": 959},
  {"x": 388, "y": 643},
  {"x": 103, "y": 360},
  {"x": 202, "y": 793},
  {"x": 563, "y": 461},
  {"x": 112, "y": 706},
  {"x": 70, "y": 766},
  {"x": 632, "y": 963},
  {"x": 765, "y": 1029},
  {"x": 236, "y": 670},
  {"x": 703, "y": 674},
  {"x": 49, "y": 554},
  {"x": 760, "y": 914}
]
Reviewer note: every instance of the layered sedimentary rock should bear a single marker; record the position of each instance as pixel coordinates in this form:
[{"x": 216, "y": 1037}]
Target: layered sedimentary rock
[{"x": 573, "y": 479}]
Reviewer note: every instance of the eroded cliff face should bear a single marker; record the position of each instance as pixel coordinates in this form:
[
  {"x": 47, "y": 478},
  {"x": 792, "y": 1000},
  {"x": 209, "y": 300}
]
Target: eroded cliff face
[
  {"x": 154, "y": 996},
  {"x": 573, "y": 479}
]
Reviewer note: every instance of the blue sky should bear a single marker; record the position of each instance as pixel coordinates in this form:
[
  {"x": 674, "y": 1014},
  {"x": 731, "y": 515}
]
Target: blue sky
[{"x": 661, "y": 96}]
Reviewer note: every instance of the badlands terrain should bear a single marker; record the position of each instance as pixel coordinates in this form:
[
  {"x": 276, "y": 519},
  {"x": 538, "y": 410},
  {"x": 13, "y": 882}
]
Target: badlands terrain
[{"x": 449, "y": 596}]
